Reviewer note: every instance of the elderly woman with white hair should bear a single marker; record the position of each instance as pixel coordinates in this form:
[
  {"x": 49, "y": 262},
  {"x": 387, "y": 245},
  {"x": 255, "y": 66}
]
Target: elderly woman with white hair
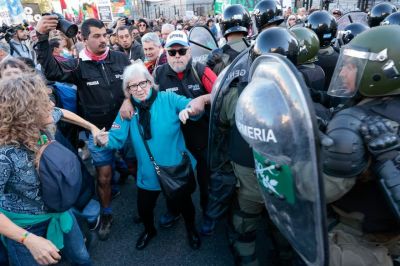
[{"x": 157, "y": 120}]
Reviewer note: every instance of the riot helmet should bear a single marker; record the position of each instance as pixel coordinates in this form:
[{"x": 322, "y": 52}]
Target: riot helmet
[
  {"x": 266, "y": 13},
  {"x": 393, "y": 19},
  {"x": 370, "y": 64},
  {"x": 379, "y": 12},
  {"x": 324, "y": 25},
  {"x": 276, "y": 40},
  {"x": 235, "y": 19},
  {"x": 352, "y": 30},
  {"x": 308, "y": 45}
]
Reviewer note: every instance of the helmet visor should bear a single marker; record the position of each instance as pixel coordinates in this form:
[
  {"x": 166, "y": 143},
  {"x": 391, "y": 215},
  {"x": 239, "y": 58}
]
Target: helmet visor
[{"x": 348, "y": 73}]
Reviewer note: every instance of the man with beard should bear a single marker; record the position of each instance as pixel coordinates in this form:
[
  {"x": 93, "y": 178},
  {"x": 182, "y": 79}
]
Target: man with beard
[
  {"x": 191, "y": 80},
  {"x": 127, "y": 44},
  {"x": 17, "y": 45},
  {"x": 98, "y": 76}
]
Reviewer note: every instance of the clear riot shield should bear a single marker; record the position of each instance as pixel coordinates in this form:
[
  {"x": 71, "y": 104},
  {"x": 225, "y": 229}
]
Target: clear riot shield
[
  {"x": 352, "y": 17},
  {"x": 274, "y": 115},
  {"x": 236, "y": 72},
  {"x": 202, "y": 42}
]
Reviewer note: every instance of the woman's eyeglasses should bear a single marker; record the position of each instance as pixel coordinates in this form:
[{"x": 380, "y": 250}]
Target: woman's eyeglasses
[
  {"x": 181, "y": 51},
  {"x": 142, "y": 25},
  {"x": 135, "y": 87}
]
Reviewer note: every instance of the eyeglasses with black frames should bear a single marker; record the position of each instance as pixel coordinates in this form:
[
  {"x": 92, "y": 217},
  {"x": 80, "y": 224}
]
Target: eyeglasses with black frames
[{"x": 135, "y": 87}]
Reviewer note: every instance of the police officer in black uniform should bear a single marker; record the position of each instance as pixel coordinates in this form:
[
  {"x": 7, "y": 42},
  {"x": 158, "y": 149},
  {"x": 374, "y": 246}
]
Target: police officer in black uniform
[
  {"x": 325, "y": 26},
  {"x": 235, "y": 24},
  {"x": 379, "y": 12}
]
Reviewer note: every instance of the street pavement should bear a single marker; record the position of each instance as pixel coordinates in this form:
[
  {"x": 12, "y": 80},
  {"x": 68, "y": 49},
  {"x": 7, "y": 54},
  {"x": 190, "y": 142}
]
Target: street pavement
[{"x": 169, "y": 247}]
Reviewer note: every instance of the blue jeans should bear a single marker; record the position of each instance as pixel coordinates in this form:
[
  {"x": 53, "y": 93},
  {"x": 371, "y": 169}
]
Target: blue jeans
[
  {"x": 90, "y": 212},
  {"x": 100, "y": 157},
  {"x": 74, "y": 246}
]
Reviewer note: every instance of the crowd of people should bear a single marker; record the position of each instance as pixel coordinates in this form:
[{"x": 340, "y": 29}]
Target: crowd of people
[{"x": 131, "y": 94}]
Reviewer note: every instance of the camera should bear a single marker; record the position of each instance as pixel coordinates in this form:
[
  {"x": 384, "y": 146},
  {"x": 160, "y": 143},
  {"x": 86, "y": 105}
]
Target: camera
[
  {"x": 128, "y": 21},
  {"x": 7, "y": 32},
  {"x": 68, "y": 28}
]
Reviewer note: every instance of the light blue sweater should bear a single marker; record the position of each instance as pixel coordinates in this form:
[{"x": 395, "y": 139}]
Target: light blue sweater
[{"x": 167, "y": 142}]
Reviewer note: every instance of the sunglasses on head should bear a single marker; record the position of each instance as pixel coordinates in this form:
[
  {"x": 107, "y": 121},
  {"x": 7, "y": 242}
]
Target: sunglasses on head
[{"x": 181, "y": 51}]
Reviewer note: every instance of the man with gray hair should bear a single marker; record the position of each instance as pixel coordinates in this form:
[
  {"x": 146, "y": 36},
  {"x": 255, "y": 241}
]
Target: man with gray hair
[
  {"x": 4, "y": 51},
  {"x": 153, "y": 51},
  {"x": 166, "y": 29}
]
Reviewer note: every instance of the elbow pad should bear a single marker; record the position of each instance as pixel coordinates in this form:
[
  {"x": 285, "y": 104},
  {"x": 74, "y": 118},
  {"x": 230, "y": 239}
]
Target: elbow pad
[{"x": 347, "y": 156}]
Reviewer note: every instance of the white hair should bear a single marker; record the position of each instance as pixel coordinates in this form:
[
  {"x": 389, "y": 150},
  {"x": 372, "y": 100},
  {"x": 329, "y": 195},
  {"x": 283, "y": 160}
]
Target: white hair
[
  {"x": 167, "y": 27},
  {"x": 152, "y": 37},
  {"x": 135, "y": 69}
]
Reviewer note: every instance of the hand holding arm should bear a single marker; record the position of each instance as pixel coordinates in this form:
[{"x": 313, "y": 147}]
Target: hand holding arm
[
  {"x": 101, "y": 138},
  {"x": 126, "y": 111},
  {"x": 197, "y": 105}
]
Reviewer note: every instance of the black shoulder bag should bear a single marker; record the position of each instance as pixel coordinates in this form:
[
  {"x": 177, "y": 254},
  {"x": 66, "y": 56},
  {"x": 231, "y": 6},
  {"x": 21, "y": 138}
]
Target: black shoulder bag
[{"x": 176, "y": 180}]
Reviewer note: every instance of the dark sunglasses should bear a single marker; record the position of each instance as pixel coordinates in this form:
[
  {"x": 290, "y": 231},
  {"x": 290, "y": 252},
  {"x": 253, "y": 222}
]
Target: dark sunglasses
[
  {"x": 142, "y": 25},
  {"x": 335, "y": 13},
  {"x": 181, "y": 51}
]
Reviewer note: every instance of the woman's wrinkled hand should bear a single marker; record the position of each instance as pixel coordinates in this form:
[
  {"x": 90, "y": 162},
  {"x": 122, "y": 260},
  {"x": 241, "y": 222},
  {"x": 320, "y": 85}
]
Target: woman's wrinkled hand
[
  {"x": 184, "y": 115},
  {"x": 42, "y": 250},
  {"x": 101, "y": 138}
]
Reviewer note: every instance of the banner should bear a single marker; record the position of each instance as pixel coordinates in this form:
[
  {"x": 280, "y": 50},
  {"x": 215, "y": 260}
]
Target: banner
[
  {"x": 11, "y": 12},
  {"x": 104, "y": 9},
  {"x": 220, "y": 5},
  {"x": 121, "y": 8}
]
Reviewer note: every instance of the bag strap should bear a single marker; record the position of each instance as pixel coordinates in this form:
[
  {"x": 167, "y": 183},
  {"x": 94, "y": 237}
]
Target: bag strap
[{"x": 156, "y": 167}]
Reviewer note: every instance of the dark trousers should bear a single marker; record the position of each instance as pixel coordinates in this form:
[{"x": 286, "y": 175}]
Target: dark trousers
[
  {"x": 203, "y": 175},
  {"x": 146, "y": 202}
]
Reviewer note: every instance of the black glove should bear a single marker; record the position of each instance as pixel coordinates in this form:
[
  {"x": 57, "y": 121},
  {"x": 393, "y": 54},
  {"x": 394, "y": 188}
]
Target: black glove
[
  {"x": 381, "y": 136},
  {"x": 214, "y": 57}
]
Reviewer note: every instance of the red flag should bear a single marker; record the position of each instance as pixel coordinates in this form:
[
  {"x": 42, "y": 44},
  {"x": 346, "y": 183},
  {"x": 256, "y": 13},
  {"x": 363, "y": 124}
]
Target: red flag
[{"x": 63, "y": 4}]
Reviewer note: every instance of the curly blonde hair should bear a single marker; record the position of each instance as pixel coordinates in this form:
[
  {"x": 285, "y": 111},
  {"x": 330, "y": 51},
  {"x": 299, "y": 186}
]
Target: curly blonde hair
[{"x": 24, "y": 105}]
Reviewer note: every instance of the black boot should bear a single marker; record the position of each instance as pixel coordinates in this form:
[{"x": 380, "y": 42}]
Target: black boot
[
  {"x": 144, "y": 239},
  {"x": 194, "y": 238}
]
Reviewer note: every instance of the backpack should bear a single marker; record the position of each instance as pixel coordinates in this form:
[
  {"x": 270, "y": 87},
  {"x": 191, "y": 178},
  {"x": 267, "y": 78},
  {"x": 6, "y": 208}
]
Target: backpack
[
  {"x": 68, "y": 96},
  {"x": 60, "y": 176}
]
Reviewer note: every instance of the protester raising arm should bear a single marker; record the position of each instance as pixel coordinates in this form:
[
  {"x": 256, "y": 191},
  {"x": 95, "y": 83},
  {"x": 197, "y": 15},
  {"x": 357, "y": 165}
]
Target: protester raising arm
[
  {"x": 53, "y": 70},
  {"x": 42, "y": 250}
]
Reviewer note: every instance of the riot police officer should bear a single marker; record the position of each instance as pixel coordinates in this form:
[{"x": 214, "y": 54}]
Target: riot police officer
[
  {"x": 235, "y": 24},
  {"x": 325, "y": 26},
  {"x": 361, "y": 159},
  {"x": 314, "y": 75},
  {"x": 392, "y": 19},
  {"x": 249, "y": 202},
  {"x": 379, "y": 12},
  {"x": 267, "y": 13},
  {"x": 362, "y": 182}
]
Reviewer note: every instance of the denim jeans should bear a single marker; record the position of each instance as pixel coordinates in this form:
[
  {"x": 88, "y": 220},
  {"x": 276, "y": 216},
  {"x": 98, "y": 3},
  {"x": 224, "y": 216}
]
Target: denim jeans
[
  {"x": 18, "y": 254},
  {"x": 74, "y": 246},
  {"x": 3, "y": 254},
  {"x": 90, "y": 212}
]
